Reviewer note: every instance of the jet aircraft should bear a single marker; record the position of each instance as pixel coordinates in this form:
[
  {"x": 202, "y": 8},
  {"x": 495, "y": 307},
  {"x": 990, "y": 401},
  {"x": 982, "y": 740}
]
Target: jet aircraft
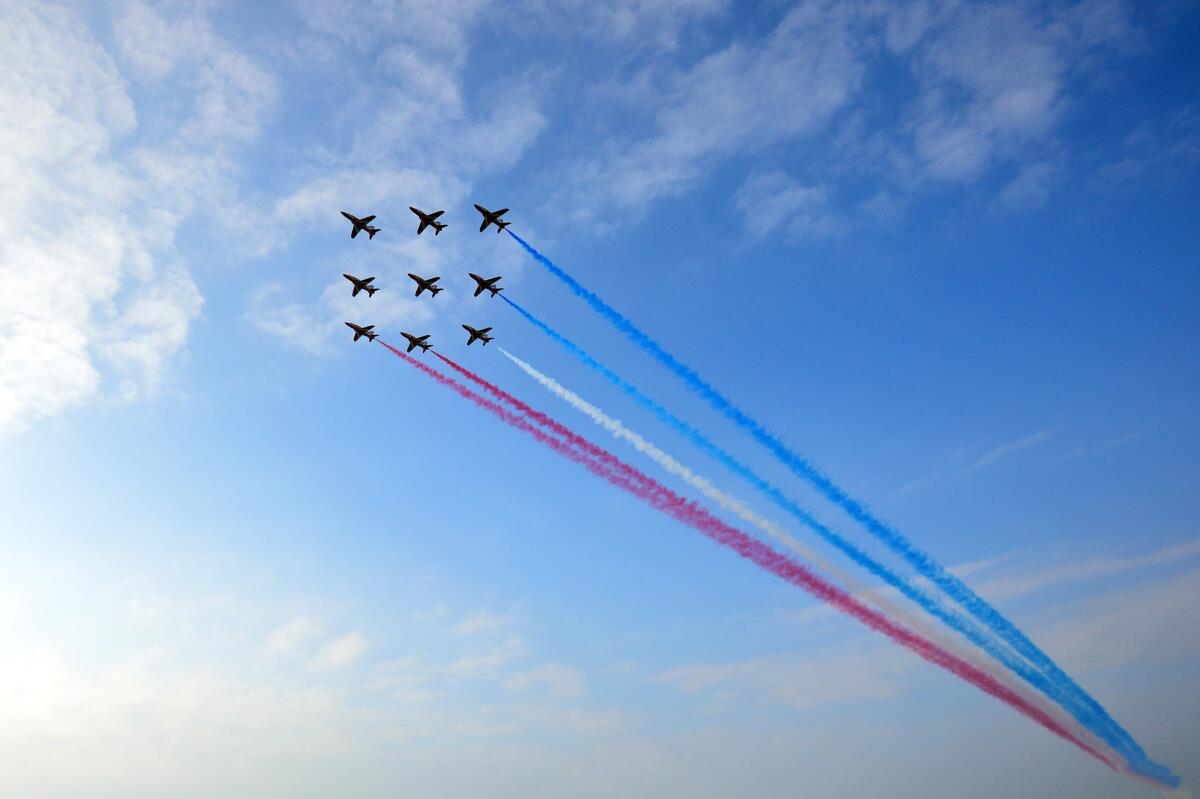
[
  {"x": 362, "y": 330},
  {"x": 427, "y": 220},
  {"x": 489, "y": 284},
  {"x": 361, "y": 284},
  {"x": 492, "y": 218},
  {"x": 417, "y": 341},
  {"x": 426, "y": 284},
  {"x": 361, "y": 224},
  {"x": 481, "y": 334}
]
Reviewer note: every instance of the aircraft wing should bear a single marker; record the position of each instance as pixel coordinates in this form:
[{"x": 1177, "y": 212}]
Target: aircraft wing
[
  {"x": 354, "y": 233},
  {"x": 357, "y": 288},
  {"x": 497, "y": 214},
  {"x": 421, "y": 227},
  {"x": 367, "y": 219},
  {"x": 435, "y": 215},
  {"x": 483, "y": 225}
]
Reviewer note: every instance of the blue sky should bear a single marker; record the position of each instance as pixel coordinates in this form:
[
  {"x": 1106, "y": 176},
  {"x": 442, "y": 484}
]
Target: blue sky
[{"x": 946, "y": 250}]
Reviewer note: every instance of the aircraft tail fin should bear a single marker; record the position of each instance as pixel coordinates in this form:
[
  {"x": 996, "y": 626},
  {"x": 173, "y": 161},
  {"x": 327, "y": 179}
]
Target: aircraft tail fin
[
  {"x": 371, "y": 233},
  {"x": 371, "y": 290}
]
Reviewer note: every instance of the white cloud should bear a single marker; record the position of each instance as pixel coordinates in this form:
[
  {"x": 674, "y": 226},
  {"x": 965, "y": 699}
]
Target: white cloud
[
  {"x": 1029, "y": 189},
  {"x": 1085, "y": 568},
  {"x": 1010, "y": 448},
  {"x": 484, "y": 622},
  {"x": 740, "y": 99},
  {"x": 870, "y": 673},
  {"x": 558, "y": 680},
  {"x": 486, "y": 662},
  {"x": 994, "y": 77},
  {"x": 84, "y": 290},
  {"x": 285, "y": 638},
  {"x": 774, "y": 199},
  {"x": 341, "y": 651}
]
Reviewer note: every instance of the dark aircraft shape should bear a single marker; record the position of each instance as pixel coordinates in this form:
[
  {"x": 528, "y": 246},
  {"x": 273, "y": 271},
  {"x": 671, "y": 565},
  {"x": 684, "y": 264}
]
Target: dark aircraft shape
[
  {"x": 417, "y": 341},
  {"x": 489, "y": 284},
  {"x": 361, "y": 284},
  {"x": 427, "y": 220},
  {"x": 361, "y": 224},
  {"x": 481, "y": 334},
  {"x": 492, "y": 218},
  {"x": 426, "y": 284},
  {"x": 362, "y": 330}
]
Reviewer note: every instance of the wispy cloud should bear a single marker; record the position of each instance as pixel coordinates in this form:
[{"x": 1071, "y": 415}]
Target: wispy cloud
[
  {"x": 341, "y": 651},
  {"x": 1086, "y": 568},
  {"x": 1005, "y": 450},
  {"x": 558, "y": 680},
  {"x": 484, "y": 622},
  {"x": 870, "y": 673},
  {"x": 287, "y": 637}
]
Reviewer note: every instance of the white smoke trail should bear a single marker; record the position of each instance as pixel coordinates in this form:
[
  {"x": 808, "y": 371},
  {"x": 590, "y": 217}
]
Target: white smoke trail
[{"x": 770, "y": 528}]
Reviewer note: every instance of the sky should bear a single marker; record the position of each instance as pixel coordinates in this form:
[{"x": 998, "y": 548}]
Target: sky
[{"x": 946, "y": 250}]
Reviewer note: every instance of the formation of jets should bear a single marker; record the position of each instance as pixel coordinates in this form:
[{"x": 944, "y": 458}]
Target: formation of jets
[{"x": 426, "y": 220}]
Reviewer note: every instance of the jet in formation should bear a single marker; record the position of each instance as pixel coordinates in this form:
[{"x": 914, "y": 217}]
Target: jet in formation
[
  {"x": 426, "y": 284},
  {"x": 361, "y": 284},
  {"x": 492, "y": 218},
  {"x": 417, "y": 341},
  {"x": 481, "y": 334},
  {"x": 427, "y": 220},
  {"x": 488, "y": 284},
  {"x": 361, "y": 224},
  {"x": 362, "y": 330}
]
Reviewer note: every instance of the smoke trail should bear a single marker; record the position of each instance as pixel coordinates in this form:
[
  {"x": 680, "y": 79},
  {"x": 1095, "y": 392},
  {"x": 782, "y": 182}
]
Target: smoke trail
[
  {"x": 926, "y": 601},
  {"x": 762, "y": 555},
  {"x": 1108, "y": 727},
  {"x": 746, "y": 514}
]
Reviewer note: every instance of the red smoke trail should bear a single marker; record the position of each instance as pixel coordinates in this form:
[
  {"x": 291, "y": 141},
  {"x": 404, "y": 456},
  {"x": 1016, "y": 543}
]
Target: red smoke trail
[{"x": 698, "y": 518}]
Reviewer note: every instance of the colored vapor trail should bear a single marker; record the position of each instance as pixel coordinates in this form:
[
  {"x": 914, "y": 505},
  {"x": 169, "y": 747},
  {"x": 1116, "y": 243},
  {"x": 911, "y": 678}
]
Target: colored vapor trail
[
  {"x": 748, "y": 515},
  {"x": 1106, "y": 726},
  {"x": 930, "y": 604},
  {"x": 658, "y": 496}
]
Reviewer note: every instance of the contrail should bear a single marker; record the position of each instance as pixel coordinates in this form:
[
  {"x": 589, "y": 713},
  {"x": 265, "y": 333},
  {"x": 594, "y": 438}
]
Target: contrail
[
  {"x": 748, "y": 515},
  {"x": 956, "y": 621},
  {"x": 1108, "y": 727},
  {"x": 687, "y": 512}
]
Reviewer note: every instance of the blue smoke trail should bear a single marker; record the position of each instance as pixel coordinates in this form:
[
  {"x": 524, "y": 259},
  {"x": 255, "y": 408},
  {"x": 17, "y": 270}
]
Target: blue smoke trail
[{"x": 1061, "y": 688}]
